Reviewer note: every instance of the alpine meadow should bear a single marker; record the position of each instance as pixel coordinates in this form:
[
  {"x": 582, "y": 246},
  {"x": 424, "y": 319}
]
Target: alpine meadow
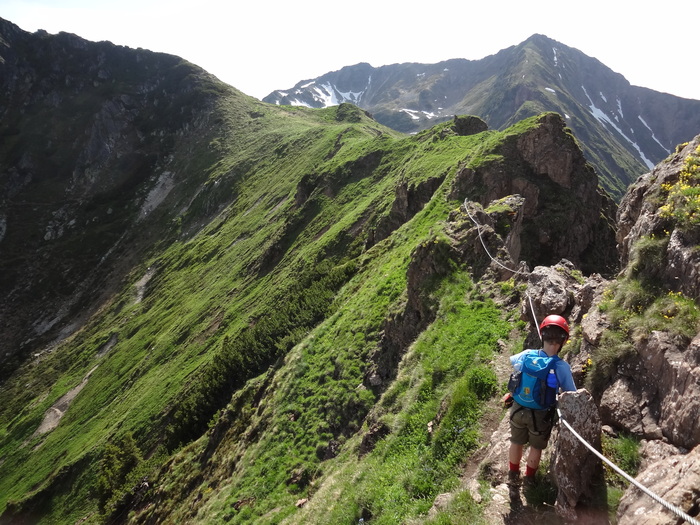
[{"x": 220, "y": 310}]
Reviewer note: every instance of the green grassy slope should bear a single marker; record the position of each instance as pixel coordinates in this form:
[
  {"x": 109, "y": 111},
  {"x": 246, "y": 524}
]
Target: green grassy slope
[{"x": 277, "y": 302}]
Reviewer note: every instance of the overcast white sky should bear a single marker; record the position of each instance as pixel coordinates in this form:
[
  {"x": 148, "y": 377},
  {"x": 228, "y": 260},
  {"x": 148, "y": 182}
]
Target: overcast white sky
[{"x": 260, "y": 46}]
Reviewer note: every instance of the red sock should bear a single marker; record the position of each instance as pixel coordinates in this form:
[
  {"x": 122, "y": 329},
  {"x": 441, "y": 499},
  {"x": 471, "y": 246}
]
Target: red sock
[
  {"x": 513, "y": 467},
  {"x": 529, "y": 471}
]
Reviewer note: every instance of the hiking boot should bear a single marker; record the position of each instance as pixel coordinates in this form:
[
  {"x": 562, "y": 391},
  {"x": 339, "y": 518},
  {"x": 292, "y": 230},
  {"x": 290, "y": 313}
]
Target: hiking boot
[
  {"x": 529, "y": 481},
  {"x": 514, "y": 478}
]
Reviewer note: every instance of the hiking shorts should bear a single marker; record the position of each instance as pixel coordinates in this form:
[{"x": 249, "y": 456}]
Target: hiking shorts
[{"x": 530, "y": 426}]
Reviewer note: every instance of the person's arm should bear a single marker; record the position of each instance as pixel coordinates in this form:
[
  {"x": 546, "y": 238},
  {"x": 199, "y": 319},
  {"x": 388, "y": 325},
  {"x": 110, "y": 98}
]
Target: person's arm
[{"x": 564, "y": 377}]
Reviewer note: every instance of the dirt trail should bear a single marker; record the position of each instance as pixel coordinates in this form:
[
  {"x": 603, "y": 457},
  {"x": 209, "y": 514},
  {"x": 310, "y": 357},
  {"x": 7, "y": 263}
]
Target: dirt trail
[
  {"x": 54, "y": 414},
  {"x": 505, "y": 504}
]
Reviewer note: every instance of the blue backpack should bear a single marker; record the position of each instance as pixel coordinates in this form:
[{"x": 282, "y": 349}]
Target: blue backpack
[{"x": 535, "y": 385}]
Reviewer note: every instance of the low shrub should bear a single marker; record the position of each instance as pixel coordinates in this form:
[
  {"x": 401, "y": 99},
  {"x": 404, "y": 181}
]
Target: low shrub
[
  {"x": 623, "y": 451},
  {"x": 483, "y": 382}
]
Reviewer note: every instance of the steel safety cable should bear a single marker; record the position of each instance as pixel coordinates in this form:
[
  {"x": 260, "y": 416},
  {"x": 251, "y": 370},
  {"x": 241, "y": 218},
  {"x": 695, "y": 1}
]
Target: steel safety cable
[
  {"x": 675, "y": 510},
  {"x": 534, "y": 317},
  {"x": 478, "y": 230},
  {"x": 516, "y": 272},
  {"x": 678, "y": 512}
]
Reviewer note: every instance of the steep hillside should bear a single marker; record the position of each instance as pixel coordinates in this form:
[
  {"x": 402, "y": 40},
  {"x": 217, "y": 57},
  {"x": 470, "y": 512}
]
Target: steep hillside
[
  {"x": 95, "y": 138},
  {"x": 276, "y": 314},
  {"x": 624, "y": 130},
  {"x": 299, "y": 299}
]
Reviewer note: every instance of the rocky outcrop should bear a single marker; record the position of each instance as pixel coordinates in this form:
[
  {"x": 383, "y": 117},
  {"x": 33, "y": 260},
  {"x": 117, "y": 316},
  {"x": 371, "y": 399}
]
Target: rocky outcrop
[
  {"x": 655, "y": 389},
  {"x": 562, "y": 290},
  {"x": 657, "y": 392},
  {"x": 576, "y": 470},
  {"x": 641, "y": 215},
  {"x": 676, "y": 480},
  {"x": 487, "y": 241},
  {"x": 565, "y": 214},
  {"x": 468, "y": 125},
  {"x": 551, "y": 290},
  {"x": 638, "y": 213},
  {"x": 625, "y": 405},
  {"x": 431, "y": 259},
  {"x": 408, "y": 200}
]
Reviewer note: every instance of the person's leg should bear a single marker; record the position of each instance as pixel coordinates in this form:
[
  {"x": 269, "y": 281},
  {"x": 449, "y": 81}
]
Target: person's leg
[
  {"x": 533, "y": 460},
  {"x": 518, "y": 437},
  {"x": 515, "y": 453},
  {"x": 539, "y": 436}
]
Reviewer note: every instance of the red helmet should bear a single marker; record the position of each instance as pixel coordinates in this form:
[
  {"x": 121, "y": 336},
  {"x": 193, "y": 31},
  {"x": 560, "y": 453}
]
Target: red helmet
[{"x": 555, "y": 320}]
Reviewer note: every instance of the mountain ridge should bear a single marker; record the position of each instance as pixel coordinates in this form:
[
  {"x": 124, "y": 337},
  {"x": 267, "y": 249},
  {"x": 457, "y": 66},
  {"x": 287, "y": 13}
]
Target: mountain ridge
[
  {"x": 537, "y": 75},
  {"x": 277, "y": 314},
  {"x": 107, "y": 146}
]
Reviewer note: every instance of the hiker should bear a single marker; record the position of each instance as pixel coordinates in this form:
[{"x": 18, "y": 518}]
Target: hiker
[{"x": 532, "y": 399}]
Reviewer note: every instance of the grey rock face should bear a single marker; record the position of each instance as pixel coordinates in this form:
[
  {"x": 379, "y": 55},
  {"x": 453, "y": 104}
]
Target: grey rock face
[
  {"x": 675, "y": 480},
  {"x": 576, "y": 470}
]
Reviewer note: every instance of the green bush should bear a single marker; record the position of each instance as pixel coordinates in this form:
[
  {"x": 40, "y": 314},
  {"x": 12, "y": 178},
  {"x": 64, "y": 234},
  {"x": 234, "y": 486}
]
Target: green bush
[
  {"x": 119, "y": 459},
  {"x": 673, "y": 313},
  {"x": 623, "y": 451},
  {"x": 614, "y": 347},
  {"x": 647, "y": 260},
  {"x": 483, "y": 382}
]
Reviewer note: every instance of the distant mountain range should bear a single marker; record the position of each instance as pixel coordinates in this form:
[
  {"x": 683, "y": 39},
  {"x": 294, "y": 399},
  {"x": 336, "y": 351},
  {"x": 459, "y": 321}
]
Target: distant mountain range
[
  {"x": 218, "y": 310},
  {"x": 624, "y": 130}
]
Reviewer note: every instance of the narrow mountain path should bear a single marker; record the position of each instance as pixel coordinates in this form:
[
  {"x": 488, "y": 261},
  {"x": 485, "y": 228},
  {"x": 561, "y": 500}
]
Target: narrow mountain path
[
  {"x": 53, "y": 415},
  {"x": 503, "y": 504}
]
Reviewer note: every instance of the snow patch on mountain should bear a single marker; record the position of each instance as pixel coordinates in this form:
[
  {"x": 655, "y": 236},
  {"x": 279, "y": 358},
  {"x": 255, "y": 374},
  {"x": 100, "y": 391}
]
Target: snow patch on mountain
[
  {"x": 325, "y": 95},
  {"x": 416, "y": 115},
  {"x": 600, "y": 115},
  {"x": 652, "y": 134}
]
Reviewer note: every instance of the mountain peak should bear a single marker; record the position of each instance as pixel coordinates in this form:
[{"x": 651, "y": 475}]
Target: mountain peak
[
  {"x": 220, "y": 310},
  {"x": 624, "y": 129}
]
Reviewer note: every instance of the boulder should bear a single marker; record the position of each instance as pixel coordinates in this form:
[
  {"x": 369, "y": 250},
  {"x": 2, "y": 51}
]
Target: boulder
[
  {"x": 468, "y": 125},
  {"x": 677, "y": 371},
  {"x": 675, "y": 479},
  {"x": 626, "y": 406},
  {"x": 657, "y": 392},
  {"x": 588, "y": 295},
  {"x": 577, "y": 471},
  {"x": 478, "y": 234},
  {"x": 550, "y": 290},
  {"x": 655, "y": 450}
]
